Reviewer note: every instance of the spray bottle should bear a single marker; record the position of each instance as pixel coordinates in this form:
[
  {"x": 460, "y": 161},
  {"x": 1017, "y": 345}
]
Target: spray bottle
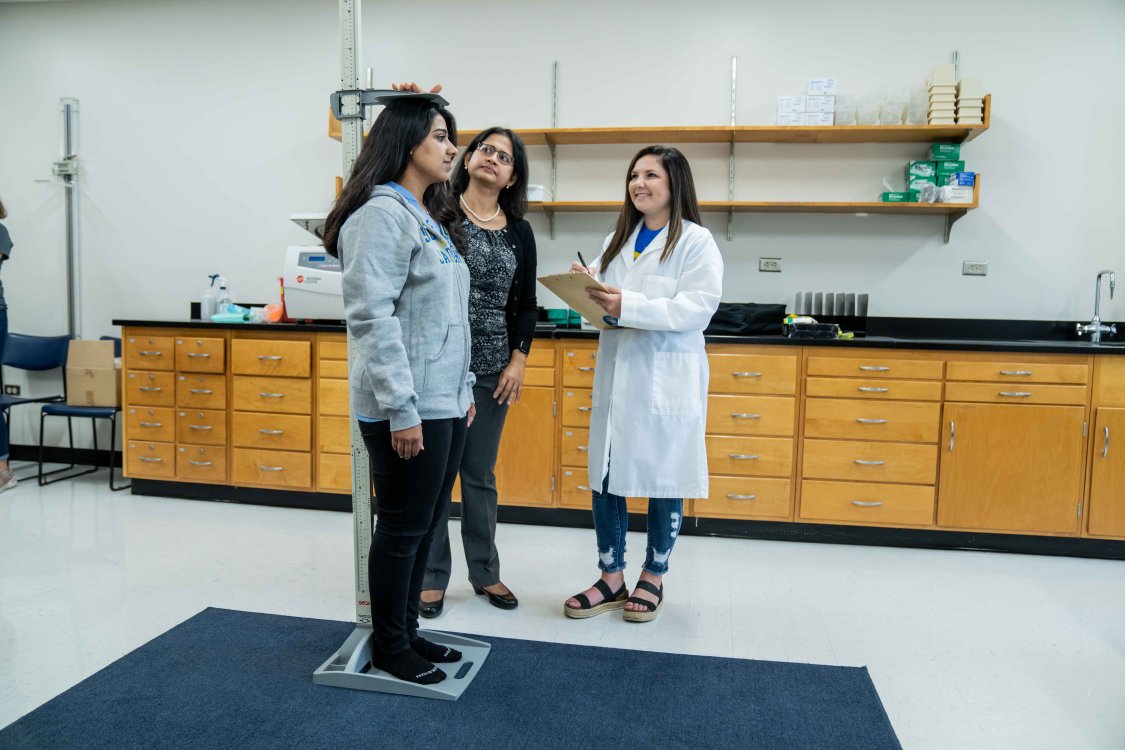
[
  {"x": 207, "y": 304},
  {"x": 224, "y": 296}
]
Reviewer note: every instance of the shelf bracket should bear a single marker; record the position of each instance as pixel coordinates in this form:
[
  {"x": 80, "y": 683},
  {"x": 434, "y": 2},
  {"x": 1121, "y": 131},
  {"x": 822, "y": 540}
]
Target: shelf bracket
[
  {"x": 554, "y": 155},
  {"x": 730, "y": 165},
  {"x": 950, "y": 219},
  {"x": 551, "y": 222}
]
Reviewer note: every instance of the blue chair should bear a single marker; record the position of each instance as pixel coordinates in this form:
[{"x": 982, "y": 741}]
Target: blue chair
[
  {"x": 93, "y": 413},
  {"x": 37, "y": 354}
]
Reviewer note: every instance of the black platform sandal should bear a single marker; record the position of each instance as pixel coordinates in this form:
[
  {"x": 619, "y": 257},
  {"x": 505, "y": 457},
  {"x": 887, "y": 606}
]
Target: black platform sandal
[
  {"x": 611, "y": 600},
  {"x": 650, "y": 610}
]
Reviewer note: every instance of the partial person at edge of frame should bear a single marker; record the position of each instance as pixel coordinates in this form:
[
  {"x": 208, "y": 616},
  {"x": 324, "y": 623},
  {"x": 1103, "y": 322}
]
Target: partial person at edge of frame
[
  {"x": 7, "y": 478},
  {"x": 406, "y": 290},
  {"x": 665, "y": 274},
  {"x": 490, "y": 184}
]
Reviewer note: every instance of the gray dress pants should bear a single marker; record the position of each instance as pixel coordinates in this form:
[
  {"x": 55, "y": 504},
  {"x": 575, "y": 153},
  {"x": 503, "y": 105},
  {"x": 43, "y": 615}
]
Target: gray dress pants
[{"x": 478, "y": 497}]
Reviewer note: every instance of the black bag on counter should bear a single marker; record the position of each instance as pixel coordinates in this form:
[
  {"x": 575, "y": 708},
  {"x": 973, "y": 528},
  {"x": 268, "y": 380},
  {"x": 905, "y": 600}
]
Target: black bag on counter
[{"x": 747, "y": 319}]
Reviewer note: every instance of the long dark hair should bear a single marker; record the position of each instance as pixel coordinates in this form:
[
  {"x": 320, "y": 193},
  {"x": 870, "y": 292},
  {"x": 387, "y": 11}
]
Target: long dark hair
[
  {"x": 513, "y": 200},
  {"x": 3, "y": 211},
  {"x": 399, "y": 128},
  {"x": 684, "y": 205}
]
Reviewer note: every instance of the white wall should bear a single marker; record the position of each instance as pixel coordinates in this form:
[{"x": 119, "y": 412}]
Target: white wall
[{"x": 203, "y": 128}]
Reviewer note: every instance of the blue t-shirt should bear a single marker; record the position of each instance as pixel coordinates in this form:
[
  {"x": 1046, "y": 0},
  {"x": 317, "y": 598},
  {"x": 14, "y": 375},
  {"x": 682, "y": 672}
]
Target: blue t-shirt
[
  {"x": 644, "y": 239},
  {"x": 5, "y": 251}
]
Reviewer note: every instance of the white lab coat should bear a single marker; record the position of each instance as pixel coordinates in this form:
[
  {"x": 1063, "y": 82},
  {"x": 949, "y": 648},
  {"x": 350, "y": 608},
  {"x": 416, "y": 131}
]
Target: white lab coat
[{"x": 650, "y": 378}]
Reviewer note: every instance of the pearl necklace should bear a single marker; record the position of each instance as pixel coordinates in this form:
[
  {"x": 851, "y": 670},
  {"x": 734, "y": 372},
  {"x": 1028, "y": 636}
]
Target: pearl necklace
[{"x": 477, "y": 216}]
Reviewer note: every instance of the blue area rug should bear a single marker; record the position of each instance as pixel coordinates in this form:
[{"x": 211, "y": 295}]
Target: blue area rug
[{"x": 242, "y": 679}]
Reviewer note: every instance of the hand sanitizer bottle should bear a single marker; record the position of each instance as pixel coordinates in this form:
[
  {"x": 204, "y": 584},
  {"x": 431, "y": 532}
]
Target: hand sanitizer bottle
[
  {"x": 224, "y": 296},
  {"x": 208, "y": 304}
]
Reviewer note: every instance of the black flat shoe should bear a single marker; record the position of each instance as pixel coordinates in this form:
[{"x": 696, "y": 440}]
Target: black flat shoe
[
  {"x": 430, "y": 610},
  {"x": 502, "y": 601}
]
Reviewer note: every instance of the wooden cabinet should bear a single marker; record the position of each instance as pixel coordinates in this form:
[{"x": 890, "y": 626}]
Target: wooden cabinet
[
  {"x": 333, "y": 421},
  {"x": 1107, "y": 474},
  {"x": 525, "y": 464}
]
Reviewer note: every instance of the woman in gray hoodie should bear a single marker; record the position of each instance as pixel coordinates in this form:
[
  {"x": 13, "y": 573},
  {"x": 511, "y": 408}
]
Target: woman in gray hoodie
[{"x": 406, "y": 290}]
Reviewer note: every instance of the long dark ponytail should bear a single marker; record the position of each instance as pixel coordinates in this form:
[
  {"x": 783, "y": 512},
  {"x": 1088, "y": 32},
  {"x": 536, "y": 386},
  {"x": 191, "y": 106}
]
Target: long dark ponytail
[{"x": 401, "y": 126}]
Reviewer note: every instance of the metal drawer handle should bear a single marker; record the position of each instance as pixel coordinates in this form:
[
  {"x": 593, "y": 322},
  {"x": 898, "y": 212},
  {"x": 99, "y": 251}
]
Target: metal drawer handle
[
  {"x": 585, "y": 408},
  {"x": 151, "y": 424},
  {"x": 1016, "y": 372},
  {"x": 270, "y": 357},
  {"x": 149, "y": 353},
  {"x": 272, "y": 468},
  {"x": 744, "y": 456},
  {"x": 862, "y": 462},
  {"x": 861, "y": 420},
  {"x": 584, "y": 488},
  {"x": 1015, "y": 394},
  {"x": 270, "y": 432},
  {"x": 151, "y": 388},
  {"x": 747, "y": 374},
  {"x": 198, "y": 354},
  {"x": 952, "y": 433},
  {"x": 201, "y": 463},
  {"x": 874, "y": 368},
  {"x": 868, "y": 389},
  {"x": 586, "y": 369},
  {"x": 864, "y": 504},
  {"x": 263, "y": 394},
  {"x": 733, "y": 496},
  {"x": 202, "y": 391},
  {"x": 1105, "y": 449},
  {"x": 203, "y": 427},
  {"x": 736, "y": 415},
  {"x": 583, "y": 448},
  {"x": 151, "y": 460}
]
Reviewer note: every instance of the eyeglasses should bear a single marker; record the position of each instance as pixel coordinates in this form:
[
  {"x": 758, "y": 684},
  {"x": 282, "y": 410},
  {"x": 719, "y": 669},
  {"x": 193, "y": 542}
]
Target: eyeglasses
[{"x": 501, "y": 156}]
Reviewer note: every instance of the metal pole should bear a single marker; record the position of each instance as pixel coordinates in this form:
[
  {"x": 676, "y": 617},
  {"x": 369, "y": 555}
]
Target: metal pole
[{"x": 69, "y": 155}]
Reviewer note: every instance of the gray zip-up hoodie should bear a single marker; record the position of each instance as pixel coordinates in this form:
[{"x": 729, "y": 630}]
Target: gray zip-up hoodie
[{"x": 406, "y": 296}]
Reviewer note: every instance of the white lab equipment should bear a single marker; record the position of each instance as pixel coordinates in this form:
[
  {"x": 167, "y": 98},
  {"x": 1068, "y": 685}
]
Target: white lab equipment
[{"x": 314, "y": 286}]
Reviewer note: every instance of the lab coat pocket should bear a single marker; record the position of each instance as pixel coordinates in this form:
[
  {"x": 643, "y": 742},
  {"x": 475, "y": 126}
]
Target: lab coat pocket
[
  {"x": 675, "y": 384},
  {"x": 658, "y": 287}
]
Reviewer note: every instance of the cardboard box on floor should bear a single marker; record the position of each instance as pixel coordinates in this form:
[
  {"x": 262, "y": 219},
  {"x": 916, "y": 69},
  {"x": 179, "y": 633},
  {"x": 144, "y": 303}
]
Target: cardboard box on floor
[{"x": 93, "y": 375}]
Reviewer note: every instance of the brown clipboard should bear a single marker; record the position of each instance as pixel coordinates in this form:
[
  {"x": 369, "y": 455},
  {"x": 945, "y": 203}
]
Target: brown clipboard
[{"x": 571, "y": 289}]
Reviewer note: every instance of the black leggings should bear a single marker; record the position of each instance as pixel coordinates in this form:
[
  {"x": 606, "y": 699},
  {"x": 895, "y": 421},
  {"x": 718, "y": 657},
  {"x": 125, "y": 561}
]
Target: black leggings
[{"x": 410, "y": 497}]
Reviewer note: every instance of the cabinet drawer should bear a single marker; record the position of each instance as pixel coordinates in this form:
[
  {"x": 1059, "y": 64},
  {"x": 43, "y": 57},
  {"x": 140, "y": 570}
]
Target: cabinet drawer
[
  {"x": 575, "y": 446},
  {"x": 1019, "y": 372},
  {"x": 150, "y": 353},
  {"x": 285, "y": 432},
  {"x": 332, "y": 397},
  {"x": 876, "y": 366},
  {"x": 201, "y": 463},
  {"x": 201, "y": 426},
  {"x": 334, "y": 435},
  {"x": 906, "y": 463},
  {"x": 285, "y": 395},
  {"x": 332, "y": 348},
  {"x": 1005, "y": 393},
  {"x": 271, "y": 357},
  {"x": 200, "y": 355},
  {"x": 884, "y": 390},
  {"x": 150, "y": 460},
  {"x": 541, "y": 376},
  {"x": 578, "y": 367},
  {"x": 751, "y": 415},
  {"x": 866, "y": 503},
  {"x": 542, "y": 355},
  {"x": 745, "y": 497},
  {"x": 333, "y": 368},
  {"x": 906, "y": 421},
  {"x": 201, "y": 391},
  {"x": 576, "y": 407},
  {"x": 334, "y": 472},
  {"x": 750, "y": 456},
  {"x": 155, "y": 424},
  {"x": 272, "y": 468},
  {"x": 575, "y": 493},
  {"x": 1110, "y": 389},
  {"x": 150, "y": 388},
  {"x": 753, "y": 373}
]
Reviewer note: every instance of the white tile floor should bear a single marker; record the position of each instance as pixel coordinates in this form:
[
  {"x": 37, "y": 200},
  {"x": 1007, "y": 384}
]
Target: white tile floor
[{"x": 967, "y": 650}]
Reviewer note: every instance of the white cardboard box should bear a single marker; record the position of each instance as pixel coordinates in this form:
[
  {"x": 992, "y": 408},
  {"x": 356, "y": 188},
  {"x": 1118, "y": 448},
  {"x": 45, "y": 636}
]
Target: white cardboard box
[
  {"x": 819, "y": 118},
  {"x": 790, "y": 104},
  {"x": 820, "y": 104},
  {"x": 822, "y": 87},
  {"x": 944, "y": 75},
  {"x": 790, "y": 118},
  {"x": 971, "y": 88}
]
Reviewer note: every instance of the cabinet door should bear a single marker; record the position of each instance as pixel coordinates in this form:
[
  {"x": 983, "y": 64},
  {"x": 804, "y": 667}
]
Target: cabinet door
[
  {"x": 525, "y": 465},
  {"x": 1011, "y": 468},
  {"x": 1107, "y": 485}
]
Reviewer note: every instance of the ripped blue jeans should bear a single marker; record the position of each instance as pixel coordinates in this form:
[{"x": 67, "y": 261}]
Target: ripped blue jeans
[{"x": 611, "y": 521}]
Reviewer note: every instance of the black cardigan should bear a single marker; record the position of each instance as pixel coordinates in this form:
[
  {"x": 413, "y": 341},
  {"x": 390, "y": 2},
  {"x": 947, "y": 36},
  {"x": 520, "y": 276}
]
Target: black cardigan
[{"x": 522, "y": 312}]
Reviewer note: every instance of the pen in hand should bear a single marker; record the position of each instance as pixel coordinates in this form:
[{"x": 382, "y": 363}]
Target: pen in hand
[{"x": 583, "y": 262}]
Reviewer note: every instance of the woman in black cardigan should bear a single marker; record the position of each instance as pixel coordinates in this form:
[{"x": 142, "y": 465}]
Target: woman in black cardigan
[{"x": 490, "y": 182}]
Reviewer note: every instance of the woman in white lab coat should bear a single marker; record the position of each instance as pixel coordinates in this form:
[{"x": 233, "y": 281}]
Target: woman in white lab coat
[{"x": 665, "y": 274}]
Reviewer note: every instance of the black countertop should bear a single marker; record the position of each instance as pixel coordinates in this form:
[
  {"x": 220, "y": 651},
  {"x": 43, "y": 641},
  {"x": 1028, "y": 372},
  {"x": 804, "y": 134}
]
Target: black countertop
[{"x": 1044, "y": 337}]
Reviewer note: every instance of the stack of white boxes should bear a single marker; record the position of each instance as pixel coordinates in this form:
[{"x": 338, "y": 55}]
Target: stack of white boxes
[
  {"x": 970, "y": 102},
  {"x": 814, "y": 108},
  {"x": 943, "y": 96}
]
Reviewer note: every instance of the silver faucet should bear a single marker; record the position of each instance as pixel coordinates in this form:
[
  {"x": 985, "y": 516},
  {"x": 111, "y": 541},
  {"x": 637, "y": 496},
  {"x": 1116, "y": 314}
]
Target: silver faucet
[{"x": 1095, "y": 327}]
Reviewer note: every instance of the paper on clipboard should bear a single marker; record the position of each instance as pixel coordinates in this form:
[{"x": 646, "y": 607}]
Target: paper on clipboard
[{"x": 571, "y": 289}]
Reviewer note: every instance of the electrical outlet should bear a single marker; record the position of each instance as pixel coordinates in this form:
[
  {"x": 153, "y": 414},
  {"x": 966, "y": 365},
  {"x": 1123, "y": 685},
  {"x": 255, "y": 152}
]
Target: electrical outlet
[
  {"x": 11, "y": 390},
  {"x": 974, "y": 268},
  {"x": 773, "y": 265}
]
